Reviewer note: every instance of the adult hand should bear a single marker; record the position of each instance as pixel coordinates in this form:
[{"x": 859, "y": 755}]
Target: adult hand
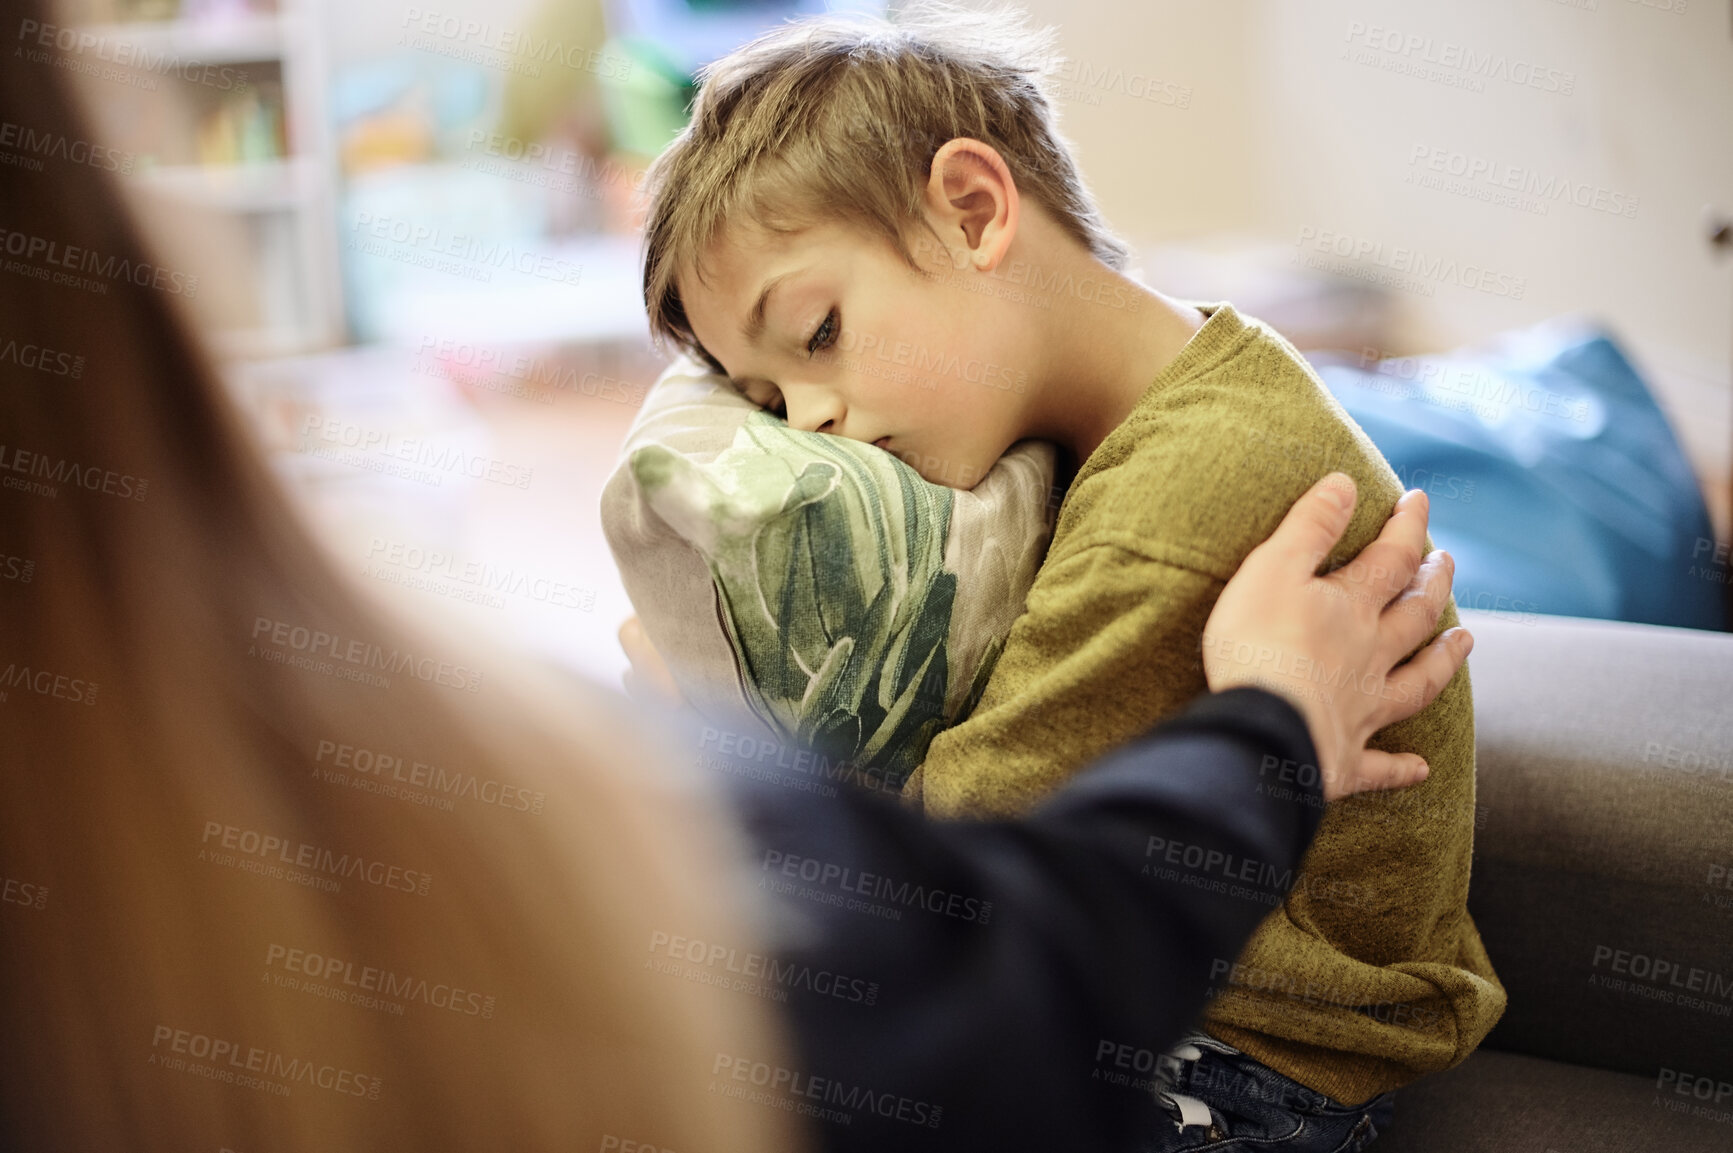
[
  {"x": 1334, "y": 645},
  {"x": 648, "y": 678}
]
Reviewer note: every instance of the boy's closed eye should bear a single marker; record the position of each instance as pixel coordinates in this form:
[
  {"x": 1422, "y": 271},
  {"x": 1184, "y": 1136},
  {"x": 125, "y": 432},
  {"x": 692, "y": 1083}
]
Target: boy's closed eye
[
  {"x": 767, "y": 396},
  {"x": 825, "y": 334}
]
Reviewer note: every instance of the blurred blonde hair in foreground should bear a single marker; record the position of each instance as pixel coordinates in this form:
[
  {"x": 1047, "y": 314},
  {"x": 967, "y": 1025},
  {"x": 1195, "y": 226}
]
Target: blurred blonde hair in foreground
[{"x": 167, "y": 849}]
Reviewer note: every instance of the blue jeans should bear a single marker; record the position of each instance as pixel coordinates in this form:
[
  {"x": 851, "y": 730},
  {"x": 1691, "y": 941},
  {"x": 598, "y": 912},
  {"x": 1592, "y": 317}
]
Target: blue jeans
[{"x": 1221, "y": 1100}]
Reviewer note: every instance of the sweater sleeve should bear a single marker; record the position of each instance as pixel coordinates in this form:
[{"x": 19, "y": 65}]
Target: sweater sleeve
[
  {"x": 1023, "y": 974},
  {"x": 1108, "y": 646}
]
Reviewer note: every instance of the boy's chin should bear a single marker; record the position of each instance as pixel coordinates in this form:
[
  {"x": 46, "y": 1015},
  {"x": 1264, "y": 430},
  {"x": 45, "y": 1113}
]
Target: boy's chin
[
  {"x": 950, "y": 471},
  {"x": 961, "y": 479},
  {"x": 964, "y": 474}
]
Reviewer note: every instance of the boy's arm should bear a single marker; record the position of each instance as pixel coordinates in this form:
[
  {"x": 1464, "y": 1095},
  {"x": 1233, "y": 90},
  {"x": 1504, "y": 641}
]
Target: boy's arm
[
  {"x": 1110, "y": 641},
  {"x": 1107, "y": 647}
]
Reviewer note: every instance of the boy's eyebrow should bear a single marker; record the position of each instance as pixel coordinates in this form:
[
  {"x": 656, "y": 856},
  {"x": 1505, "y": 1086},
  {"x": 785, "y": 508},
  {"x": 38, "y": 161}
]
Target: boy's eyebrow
[{"x": 754, "y": 326}]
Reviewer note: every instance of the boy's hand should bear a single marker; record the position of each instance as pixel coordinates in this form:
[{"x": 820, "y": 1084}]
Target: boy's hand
[
  {"x": 648, "y": 679},
  {"x": 1331, "y": 645}
]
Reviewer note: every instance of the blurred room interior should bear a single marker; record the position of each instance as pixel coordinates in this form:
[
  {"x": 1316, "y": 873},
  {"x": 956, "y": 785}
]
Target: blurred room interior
[{"x": 414, "y": 236}]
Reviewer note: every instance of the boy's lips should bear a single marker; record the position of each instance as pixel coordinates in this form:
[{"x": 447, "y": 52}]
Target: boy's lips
[{"x": 883, "y": 442}]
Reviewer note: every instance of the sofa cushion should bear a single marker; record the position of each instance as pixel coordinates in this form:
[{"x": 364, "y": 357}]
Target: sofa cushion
[
  {"x": 1603, "y": 865},
  {"x": 1507, "y": 1103},
  {"x": 1557, "y": 482}
]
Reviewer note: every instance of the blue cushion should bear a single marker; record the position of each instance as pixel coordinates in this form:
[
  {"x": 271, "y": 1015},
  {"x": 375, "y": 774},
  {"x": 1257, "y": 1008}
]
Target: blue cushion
[{"x": 1555, "y": 480}]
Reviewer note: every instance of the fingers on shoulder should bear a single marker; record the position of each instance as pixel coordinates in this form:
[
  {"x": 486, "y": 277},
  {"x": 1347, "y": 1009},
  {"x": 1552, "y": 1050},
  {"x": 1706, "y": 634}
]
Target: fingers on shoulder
[
  {"x": 1412, "y": 616},
  {"x": 1415, "y": 685},
  {"x": 1312, "y": 527}
]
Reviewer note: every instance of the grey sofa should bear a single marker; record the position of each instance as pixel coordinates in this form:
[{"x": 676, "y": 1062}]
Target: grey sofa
[{"x": 1603, "y": 889}]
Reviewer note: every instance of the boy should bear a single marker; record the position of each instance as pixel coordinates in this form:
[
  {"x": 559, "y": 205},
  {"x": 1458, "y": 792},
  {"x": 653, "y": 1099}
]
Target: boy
[{"x": 877, "y": 231}]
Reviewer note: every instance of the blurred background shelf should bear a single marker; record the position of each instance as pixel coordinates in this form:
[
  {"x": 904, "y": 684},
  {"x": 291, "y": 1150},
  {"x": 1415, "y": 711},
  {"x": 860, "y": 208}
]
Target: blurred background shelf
[
  {"x": 260, "y": 186},
  {"x": 229, "y": 132},
  {"x": 230, "y": 39}
]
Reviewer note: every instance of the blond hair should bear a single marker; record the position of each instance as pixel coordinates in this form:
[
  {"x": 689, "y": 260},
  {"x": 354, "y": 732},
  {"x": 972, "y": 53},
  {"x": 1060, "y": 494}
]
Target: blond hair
[
  {"x": 838, "y": 118},
  {"x": 390, "y": 975}
]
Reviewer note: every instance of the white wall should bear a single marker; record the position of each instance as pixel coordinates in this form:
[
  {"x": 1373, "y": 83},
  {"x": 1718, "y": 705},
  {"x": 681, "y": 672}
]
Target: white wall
[{"x": 1284, "y": 133}]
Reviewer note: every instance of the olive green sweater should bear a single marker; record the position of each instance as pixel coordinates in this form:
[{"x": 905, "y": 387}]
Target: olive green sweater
[{"x": 1368, "y": 971}]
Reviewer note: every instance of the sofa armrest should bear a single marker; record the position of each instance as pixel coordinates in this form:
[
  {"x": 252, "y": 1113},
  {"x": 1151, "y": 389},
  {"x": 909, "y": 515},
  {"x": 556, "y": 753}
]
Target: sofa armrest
[{"x": 1603, "y": 864}]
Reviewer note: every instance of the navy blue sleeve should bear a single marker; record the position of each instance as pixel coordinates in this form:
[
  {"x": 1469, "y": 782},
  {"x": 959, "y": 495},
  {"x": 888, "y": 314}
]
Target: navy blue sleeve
[{"x": 1005, "y": 985}]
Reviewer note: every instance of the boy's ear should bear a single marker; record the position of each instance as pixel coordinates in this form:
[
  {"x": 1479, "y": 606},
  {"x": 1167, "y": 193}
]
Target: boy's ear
[{"x": 972, "y": 201}]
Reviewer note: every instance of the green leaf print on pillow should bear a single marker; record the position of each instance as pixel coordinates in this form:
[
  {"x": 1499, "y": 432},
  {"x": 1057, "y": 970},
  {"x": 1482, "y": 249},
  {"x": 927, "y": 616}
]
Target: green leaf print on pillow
[{"x": 828, "y": 555}]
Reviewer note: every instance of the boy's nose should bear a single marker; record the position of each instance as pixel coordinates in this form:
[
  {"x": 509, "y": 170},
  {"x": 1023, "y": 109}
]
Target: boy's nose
[{"x": 813, "y": 411}]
